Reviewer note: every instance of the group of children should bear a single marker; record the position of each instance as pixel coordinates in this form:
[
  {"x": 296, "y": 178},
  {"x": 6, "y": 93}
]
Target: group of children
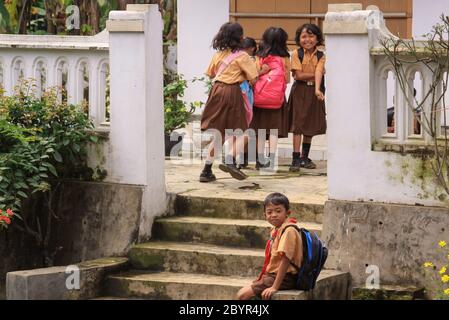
[{"x": 248, "y": 92}]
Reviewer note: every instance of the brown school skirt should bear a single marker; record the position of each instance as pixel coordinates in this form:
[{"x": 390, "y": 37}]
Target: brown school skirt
[
  {"x": 307, "y": 115},
  {"x": 267, "y": 281},
  {"x": 271, "y": 119},
  {"x": 224, "y": 109}
]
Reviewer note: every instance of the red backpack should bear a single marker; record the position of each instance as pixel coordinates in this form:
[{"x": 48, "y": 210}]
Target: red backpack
[{"x": 269, "y": 91}]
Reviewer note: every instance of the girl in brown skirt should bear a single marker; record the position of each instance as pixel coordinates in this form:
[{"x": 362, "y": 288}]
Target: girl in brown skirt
[
  {"x": 307, "y": 116},
  {"x": 225, "y": 109},
  {"x": 274, "y": 43}
]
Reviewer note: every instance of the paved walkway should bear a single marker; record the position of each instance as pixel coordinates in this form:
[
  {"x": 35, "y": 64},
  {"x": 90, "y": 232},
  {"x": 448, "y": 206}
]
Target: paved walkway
[{"x": 310, "y": 186}]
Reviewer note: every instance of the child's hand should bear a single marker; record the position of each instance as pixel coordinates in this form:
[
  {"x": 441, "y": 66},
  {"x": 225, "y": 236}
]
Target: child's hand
[
  {"x": 265, "y": 68},
  {"x": 268, "y": 293},
  {"x": 319, "y": 95}
]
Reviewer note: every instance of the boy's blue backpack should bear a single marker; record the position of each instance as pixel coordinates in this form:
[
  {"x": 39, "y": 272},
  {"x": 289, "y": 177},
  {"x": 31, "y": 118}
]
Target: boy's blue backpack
[{"x": 314, "y": 257}]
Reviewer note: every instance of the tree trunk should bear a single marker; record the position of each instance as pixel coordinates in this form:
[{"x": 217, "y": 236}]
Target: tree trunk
[
  {"x": 94, "y": 16},
  {"x": 122, "y": 3},
  {"x": 24, "y": 11},
  {"x": 49, "y": 11}
]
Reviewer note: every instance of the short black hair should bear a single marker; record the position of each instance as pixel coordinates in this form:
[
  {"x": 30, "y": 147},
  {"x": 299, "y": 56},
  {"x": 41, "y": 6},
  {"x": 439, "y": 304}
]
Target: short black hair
[
  {"x": 311, "y": 29},
  {"x": 274, "y": 42},
  {"x": 249, "y": 43},
  {"x": 228, "y": 37},
  {"x": 276, "y": 199}
]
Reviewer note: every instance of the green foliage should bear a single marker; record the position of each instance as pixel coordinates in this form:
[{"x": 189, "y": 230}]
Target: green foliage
[
  {"x": 4, "y": 18},
  {"x": 41, "y": 139},
  {"x": 177, "y": 112}
]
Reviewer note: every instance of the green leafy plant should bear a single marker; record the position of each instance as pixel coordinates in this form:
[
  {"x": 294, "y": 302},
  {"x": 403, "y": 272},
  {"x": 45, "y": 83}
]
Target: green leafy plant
[
  {"x": 177, "y": 112},
  {"x": 42, "y": 140}
]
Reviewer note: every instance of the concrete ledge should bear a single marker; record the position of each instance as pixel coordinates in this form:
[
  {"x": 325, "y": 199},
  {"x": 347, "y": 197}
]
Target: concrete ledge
[
  {"x": 342, "y": 7},
  {"x": 50, "y": 283},
  {"x": 125, "y": 26},
  {"x": 138, "y": 7}
]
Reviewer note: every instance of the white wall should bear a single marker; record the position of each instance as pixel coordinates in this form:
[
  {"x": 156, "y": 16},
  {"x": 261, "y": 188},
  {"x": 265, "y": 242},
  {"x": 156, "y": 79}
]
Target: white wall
[
  {"x": 426, "y": 13},
  {"x": 198, "y": 22}
]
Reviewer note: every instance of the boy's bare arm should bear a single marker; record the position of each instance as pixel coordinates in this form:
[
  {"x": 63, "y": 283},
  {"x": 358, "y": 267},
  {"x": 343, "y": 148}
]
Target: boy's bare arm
[
  {"x": 303, "y": 76},
  {"x": 283, "y": 267}
]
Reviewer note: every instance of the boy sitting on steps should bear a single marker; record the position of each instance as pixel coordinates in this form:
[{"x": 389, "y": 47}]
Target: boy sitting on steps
[{"x": 284, "y": 247}]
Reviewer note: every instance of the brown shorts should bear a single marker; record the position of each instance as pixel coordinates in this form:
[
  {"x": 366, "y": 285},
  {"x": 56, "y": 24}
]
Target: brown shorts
[{"x": 267, "y": 280}]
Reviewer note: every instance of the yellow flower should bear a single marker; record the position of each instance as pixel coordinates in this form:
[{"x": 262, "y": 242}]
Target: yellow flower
[
  {"x": 428, "y": 265},
  {"x": 442, "y": 244},
  {"x": 445, "y": 278},
  {"x": 443, "y": 270},
  {"x": 446, "y": 292}
]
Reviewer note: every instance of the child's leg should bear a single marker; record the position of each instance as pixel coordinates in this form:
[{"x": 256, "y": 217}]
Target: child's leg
[
  {"x": 273, "y": 144},
  {"x": 296, "y": 143},
  {"x": 239, "y": 148},
  {"x": 261, "y": 148},
  {"x": 229, "y": 165},
  {"x": 296, "y": 165},
  {"x": 245, "y": 293},
  {"x": 305, "y": 160},
  {"x": 307, "y": 143},
  {"x": 207, "y": 175}
]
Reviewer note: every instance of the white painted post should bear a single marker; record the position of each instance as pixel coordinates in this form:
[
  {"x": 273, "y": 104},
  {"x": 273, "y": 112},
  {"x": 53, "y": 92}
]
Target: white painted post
[
  {"x": 348, "y": 68},
  {"x": 137, "y": 116}
]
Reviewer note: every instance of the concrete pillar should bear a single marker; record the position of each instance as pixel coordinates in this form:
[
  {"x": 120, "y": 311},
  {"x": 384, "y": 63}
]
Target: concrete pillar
[
  {"x": 348, "y": 97},
  {"x": 137, "y": 114}
]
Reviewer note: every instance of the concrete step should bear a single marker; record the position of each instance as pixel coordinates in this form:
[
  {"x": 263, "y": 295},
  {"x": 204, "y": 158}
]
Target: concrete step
[
  {"x": 183, "y": 286},
  {"x": 242, "y": 208},
  {"x": 388, "y": 292},
  {"x": 197, "y": 258},
  {"x": 231, "y": 232}
]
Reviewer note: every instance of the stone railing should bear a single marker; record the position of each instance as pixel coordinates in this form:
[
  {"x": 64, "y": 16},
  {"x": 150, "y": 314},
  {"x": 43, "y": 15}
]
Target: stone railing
[
  {"x": 78, "y": 64},
  {"x": 396, "y": 115}
]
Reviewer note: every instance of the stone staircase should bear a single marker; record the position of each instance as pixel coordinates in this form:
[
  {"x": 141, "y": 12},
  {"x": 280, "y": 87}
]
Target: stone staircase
[{"x": 210, "y": 249}]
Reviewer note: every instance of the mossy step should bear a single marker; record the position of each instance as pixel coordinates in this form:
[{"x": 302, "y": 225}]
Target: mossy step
[
  {"x": 197, "y": 258},
  {"x": 183, "y": 286},
  {"x": 176, "y": 286},
  {"x": 388, "y": 292},
  {"x": 241, "y": 208},
  {"x": 229, "y": 232}
]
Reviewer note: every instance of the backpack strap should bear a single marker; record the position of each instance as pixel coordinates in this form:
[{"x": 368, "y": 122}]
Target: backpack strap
[
  {"x": 300, "y": 234},
  {"x": 225, "y": 63},
  {"x": 319, "y": 54}
]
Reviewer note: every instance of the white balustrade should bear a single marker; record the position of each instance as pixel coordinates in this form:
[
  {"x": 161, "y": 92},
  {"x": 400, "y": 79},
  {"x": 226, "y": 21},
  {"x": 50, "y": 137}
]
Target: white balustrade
[
  {"x": 398, "y": 116},
  {"x": 78, "y": 64}
]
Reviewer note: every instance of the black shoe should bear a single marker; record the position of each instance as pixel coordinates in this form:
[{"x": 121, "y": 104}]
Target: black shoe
[
  {"x": 307, "y": 163},
  {"x": 244, "y": 165},
  {"x": 233, "y": 171},
  {"x": 262, "y": 165},
  {"x": 296, "y": 165},
  {"x": 207, "y": 176}
]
